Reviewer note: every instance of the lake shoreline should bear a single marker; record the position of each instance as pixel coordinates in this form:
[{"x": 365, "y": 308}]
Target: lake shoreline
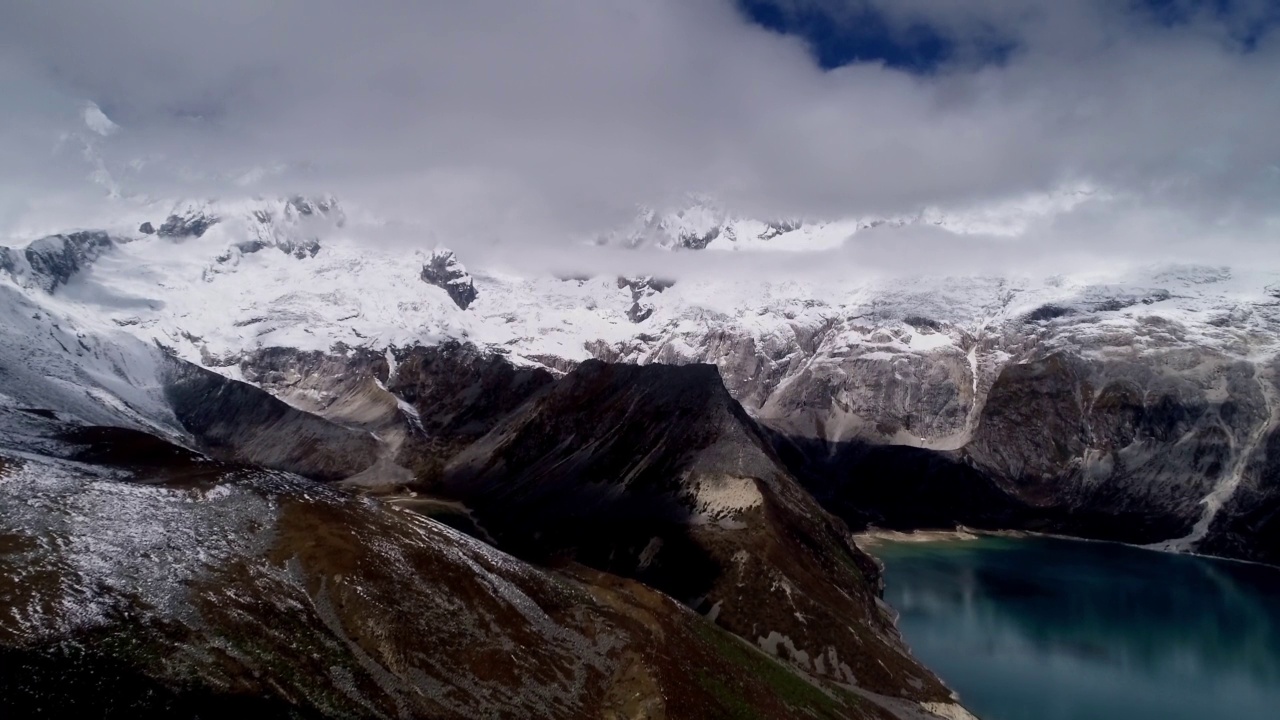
[{"x": 868, "y": 539}]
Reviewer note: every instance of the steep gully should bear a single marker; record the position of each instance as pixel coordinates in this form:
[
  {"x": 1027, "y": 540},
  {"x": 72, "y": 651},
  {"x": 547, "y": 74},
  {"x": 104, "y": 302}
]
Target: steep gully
[{"x": 1227, "y": 486}]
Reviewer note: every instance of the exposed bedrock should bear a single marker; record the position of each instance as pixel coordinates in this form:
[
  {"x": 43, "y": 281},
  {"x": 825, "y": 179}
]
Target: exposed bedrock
[
  {"x": 841, "y": 379},
  {"x": 454, "y": 395},
  {"x": 1143, "y": 443},
  {"x": 443, "y": 270},
  {"x": 341, "y": 386},
  {"x": 1177, "y": 449},
  {"x": 909, "y": 399},
  {"x": 424, "y": 404},
  {"x": 52, "y": 261},
  {"x": 1247, "y": 525},
  {"x": 192, "y": 223}
]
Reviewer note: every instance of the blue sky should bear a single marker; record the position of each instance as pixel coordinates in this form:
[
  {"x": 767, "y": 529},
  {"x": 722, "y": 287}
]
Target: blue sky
[
  {"x": 857, "y": 32},
  {"x": 845, "y": 32},
  {"x": 1246, "y": 22}
]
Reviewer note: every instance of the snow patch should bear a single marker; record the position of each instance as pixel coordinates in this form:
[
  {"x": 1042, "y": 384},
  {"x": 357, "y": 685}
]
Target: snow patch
[{"x": 775, "y": 643}]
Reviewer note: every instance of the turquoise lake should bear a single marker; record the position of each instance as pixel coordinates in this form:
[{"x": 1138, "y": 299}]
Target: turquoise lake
[{"x": 1049, "y": 629}]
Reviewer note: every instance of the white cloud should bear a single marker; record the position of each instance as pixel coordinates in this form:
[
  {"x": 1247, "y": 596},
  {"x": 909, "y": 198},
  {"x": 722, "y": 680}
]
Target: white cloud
[
  {"x": 97, "y": 121},
  {"x": 519, "y": 122}
]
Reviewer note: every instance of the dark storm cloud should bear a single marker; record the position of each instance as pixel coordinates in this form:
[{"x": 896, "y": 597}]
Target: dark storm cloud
[{"x": 523, "y": 120}]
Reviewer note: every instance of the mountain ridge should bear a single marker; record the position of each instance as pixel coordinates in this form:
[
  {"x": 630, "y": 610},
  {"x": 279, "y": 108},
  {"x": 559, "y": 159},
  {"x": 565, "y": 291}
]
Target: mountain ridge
[{"x": 904, "y": 362}]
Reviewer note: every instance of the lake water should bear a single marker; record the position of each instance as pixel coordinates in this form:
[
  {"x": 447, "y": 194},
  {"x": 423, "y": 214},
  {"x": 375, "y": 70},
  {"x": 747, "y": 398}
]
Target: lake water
[{"x": 1047, "y": 629}]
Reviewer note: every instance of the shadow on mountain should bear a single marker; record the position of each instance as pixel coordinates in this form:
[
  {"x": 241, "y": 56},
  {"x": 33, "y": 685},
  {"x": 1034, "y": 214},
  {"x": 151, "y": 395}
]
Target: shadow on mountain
[
  {"x": 897, "y": 487},
  {"x": 906, "y": 488},
  {"x": 237, "y": 422},
  {"x": 1107, "y": 450},
  {"x": 76, "y": 680},
  {"x": 656, "y": 473}
]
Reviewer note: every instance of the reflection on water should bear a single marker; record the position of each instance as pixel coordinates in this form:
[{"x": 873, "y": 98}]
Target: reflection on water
[{"x": 1046, "y": 629}]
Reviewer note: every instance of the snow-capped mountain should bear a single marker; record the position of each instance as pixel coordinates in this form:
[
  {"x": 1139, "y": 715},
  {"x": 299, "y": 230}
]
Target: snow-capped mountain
[
  {"x": 909, "y": 362},
  {"x": 217, "y": 281},
  {"x": 912, "y": 362},
  {"x": 270, "y": 333},
  {"x": 701, "y": 223},
  {"x": 150, "y": 353}
]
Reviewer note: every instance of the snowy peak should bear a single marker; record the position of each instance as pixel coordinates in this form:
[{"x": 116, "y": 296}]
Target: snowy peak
[
  {"x": 443, "y": 270},
  {"x": 703, "y": 224},
  {"x": 266, "y": 219},
  {"x": 292, "y": 225}
]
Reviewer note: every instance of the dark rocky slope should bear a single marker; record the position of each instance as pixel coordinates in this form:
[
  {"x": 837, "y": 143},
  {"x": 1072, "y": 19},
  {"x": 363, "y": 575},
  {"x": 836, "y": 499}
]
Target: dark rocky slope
[
  {"x": 653, "y": 473},
  {"x": 459, "y": 394},
  {"x": 1124, "y": 450},
  {"x": 140, "y": 578},
  {"x": 1248, "y": 526},
  {"x": 1100, "y": 449},
  {"x": 213, "y": 591},
  {"x": 236, "y": 421},
  {"x": 426, "y": 404},
  {"x": 656, "y": 473}
]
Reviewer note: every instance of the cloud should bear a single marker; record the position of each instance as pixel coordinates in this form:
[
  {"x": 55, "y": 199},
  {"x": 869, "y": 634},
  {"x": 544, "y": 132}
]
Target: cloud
[{"x": 528, "y": 121}]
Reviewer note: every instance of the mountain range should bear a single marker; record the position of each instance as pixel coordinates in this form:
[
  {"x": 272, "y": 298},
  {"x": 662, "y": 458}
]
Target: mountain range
[{"x": 251, "y": 460}]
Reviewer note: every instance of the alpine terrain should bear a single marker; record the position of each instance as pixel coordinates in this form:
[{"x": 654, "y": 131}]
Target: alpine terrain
[{"x": 252, "y": 460}]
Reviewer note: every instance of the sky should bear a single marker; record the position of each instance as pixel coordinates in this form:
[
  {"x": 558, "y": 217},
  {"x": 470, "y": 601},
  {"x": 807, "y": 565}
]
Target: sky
[{"x": 527, "y": 122}]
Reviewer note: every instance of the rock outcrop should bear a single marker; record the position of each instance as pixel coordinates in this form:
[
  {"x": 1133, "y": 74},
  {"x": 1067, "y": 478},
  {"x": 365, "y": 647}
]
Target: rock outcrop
[
  {"x": 194, "y": 223},
  {"x": 1173, "y": 451},
  {"x": 51, "y": 261},
  {"x": 444, "y": 271},
  {"x": 642, "y": 288}
]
